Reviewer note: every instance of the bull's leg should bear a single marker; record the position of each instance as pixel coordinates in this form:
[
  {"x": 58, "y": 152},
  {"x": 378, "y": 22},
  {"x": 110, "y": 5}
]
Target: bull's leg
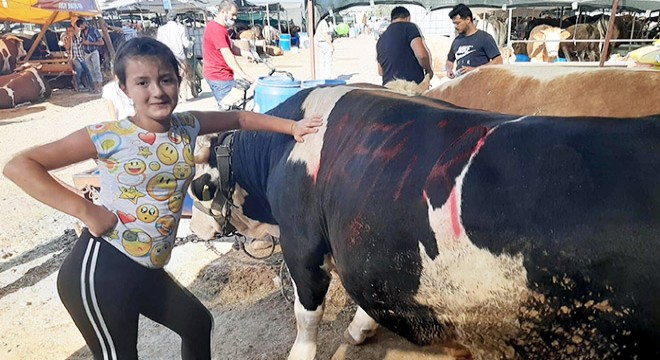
[
  {"x": 361, "y": 328},
  {"x": 311, "y": 282},
  {"x": 307, "y": 324}
]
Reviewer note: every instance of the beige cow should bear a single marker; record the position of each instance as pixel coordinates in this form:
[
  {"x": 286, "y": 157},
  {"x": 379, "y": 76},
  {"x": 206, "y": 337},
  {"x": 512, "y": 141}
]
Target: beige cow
[{"x": 545, "y": 48}]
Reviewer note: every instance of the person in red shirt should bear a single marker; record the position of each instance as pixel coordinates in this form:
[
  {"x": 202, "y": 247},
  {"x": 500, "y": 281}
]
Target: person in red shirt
[{"x": 220, "y": 63}]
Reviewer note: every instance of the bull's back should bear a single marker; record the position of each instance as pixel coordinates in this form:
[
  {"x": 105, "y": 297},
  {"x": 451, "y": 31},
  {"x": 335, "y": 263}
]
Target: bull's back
[{"x": 566, "y": 211}]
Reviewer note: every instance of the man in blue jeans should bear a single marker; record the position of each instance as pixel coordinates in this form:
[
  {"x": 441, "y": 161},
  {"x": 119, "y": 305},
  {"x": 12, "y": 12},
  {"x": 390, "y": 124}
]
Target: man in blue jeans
[
  {"x": 220, "y": 63},
  {"x": 73, "y": 45}
]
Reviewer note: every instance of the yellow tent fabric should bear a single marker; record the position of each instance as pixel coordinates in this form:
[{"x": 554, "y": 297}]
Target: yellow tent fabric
[{"x": 39, "y": 11}]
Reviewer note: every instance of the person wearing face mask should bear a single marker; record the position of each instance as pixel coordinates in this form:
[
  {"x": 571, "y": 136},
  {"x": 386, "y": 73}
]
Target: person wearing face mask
[{"x": 220, "y": 65}]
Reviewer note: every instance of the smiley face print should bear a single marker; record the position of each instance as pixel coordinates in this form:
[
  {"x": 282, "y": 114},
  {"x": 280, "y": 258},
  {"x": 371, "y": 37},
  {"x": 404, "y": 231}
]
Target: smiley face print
[
  {"x": 161, "y": 186},
  {"x": 161, "y": 253},
  {"x": 167, "y": 153},
  {"x": 136, "y": 242},
  {"x": 165, "y": 225},
  {"x": 147, "y": 213},
  {"x": 188, "y": 155},
  {"x": 135, "y": 167},
  {"x": 174, "y": 135},
  {"x": 176, "y": 202},
  {"x": 182, "y": 171}
]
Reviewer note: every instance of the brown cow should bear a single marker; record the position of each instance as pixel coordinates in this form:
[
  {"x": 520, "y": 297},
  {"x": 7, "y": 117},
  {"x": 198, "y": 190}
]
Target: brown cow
[
  {"x": 11, "y": 50},
  {"x": 555, "y": 91},
  {"x": 25, "y": 85},
  {"x": 588, "y": 51}
]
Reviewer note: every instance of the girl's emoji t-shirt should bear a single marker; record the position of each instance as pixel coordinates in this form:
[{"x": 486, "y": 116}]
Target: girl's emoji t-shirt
[{"x": 144, "y": 177}]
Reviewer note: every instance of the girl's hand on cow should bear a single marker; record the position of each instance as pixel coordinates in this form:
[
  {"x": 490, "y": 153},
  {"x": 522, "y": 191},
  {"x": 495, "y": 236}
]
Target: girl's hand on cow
[
  {"x": 304, "y": 127},
  {"x": 99, "y": 220}
]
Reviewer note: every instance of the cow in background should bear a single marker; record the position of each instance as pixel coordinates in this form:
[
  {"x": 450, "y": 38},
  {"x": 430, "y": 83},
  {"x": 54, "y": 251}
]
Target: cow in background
[
  {"x": 589, "y": 51},
  {"x": 41, "y": 51},
  {"x": 24, "y": 85},
  {"x": 11, "y": 50},
  {"x": 554, "y": 91},
  {"x": 545, "y": 47},
  {"x": 270, "y": 34},
  {"x": 493, "y": 26}
]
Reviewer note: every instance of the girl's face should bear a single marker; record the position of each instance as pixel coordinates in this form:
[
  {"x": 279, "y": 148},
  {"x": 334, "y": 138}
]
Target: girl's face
[{"x": 153, "y": 86}]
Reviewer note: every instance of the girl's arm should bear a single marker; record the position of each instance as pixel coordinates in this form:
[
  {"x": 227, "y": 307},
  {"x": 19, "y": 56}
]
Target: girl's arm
[
  {"x": 218, "y": 121},
  {"x": 29, "y": 170}
]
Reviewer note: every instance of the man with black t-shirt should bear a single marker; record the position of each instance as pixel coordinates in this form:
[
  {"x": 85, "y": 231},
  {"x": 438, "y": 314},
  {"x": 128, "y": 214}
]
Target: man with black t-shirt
[
  {"x": 472, "y": 47},
  {"x": 401, "y": 51}
]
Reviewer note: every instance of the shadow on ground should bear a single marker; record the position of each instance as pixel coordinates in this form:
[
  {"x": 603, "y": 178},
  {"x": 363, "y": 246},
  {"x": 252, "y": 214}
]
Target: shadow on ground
[
  {"x": 254, "y": 320},
  {"x": 6, "y": 114},
  {"x": 70, "y": 98}
]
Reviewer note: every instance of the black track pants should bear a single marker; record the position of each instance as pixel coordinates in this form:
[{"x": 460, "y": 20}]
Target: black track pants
[{"x": 105, "y": 292}]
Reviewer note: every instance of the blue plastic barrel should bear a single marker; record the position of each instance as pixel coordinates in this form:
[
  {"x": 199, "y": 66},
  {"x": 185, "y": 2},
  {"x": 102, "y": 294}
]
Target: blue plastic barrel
[
  {"x": 522, "y": 58},
  {"x": 187, "y": 207},
  {"x": 285, "y": 42},
  {"x": 327, "y": 82},
  {"x": 272, "y": 91},
  {"x": 560, "y": 59}
]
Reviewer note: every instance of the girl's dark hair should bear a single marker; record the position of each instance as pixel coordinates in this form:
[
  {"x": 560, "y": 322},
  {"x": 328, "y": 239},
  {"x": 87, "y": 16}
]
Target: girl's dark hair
[{"x": 143, "y": 47}]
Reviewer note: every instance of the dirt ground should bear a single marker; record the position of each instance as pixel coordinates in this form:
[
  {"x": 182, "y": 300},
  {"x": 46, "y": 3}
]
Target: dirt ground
[{"x": 253, "y": 319}]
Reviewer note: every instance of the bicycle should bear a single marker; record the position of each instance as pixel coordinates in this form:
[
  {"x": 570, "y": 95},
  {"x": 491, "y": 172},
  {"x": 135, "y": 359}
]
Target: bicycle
[
  {"x": 195, "y": 68},
  {"x": 238, "y": 98}
]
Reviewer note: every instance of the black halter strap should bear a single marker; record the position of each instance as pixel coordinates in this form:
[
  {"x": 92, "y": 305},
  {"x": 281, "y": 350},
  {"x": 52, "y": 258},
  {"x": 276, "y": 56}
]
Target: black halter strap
[{"x": 223, "y": 203}]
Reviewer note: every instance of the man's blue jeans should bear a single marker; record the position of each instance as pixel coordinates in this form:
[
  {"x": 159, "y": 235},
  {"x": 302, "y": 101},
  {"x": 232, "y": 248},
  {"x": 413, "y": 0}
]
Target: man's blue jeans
[
  {"x": 83, "y": 77},
  {"x": 220, "y": 89}
]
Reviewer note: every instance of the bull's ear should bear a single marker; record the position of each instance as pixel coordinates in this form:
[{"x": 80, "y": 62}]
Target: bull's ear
[
  {"x": 202, "y": 188},
  {"x": 565, "y": 35},
  {"x": 539, "y": 36}
]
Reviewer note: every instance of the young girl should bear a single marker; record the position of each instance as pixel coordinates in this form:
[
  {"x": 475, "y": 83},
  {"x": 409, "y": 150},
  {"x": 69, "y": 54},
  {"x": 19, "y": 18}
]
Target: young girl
[{"x": 115, "y": 271}]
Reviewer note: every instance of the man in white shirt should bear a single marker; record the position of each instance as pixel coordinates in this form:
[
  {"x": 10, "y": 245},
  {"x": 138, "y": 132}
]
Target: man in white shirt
[
  {"x": 173, "y": 34},
  {"x": 323, "y": 42}
]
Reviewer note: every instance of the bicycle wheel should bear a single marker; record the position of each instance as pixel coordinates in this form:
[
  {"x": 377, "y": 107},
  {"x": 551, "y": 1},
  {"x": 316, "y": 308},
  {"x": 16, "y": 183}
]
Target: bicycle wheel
[{"x": 196, "y": 81}]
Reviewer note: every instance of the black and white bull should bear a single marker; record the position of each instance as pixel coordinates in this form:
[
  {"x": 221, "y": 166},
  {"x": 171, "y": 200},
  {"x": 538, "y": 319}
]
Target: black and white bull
[{"x": 516, "y": 237}]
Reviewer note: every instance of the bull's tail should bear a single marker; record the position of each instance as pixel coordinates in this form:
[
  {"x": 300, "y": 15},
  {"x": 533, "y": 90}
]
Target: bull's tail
[{"x": 410, "y": 87}]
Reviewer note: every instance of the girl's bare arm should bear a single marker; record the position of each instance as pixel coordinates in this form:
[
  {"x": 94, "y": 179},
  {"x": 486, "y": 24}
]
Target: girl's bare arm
[
  {"x": 30, "y": 171},
  {"x": 218, "y": 121}
]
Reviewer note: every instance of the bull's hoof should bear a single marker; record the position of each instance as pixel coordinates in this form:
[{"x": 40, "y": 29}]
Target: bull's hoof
[{"x": 361, "y": 337}]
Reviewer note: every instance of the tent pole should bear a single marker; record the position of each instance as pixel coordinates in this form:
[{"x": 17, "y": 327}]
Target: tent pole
[
  {"x": 632, "y": 33},
  {"x": 508, "y": 41},
  {"x": 40, "y": 36},
  {"x": 310, "y": 31},
  {"x": 279, "y": 26},
  {"x": 106, "y": 38},
  {"x": 608, "y": 36}
]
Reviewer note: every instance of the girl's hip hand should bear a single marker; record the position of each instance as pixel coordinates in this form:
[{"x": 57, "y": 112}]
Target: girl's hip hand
[{"x": 100, "y": 220}]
